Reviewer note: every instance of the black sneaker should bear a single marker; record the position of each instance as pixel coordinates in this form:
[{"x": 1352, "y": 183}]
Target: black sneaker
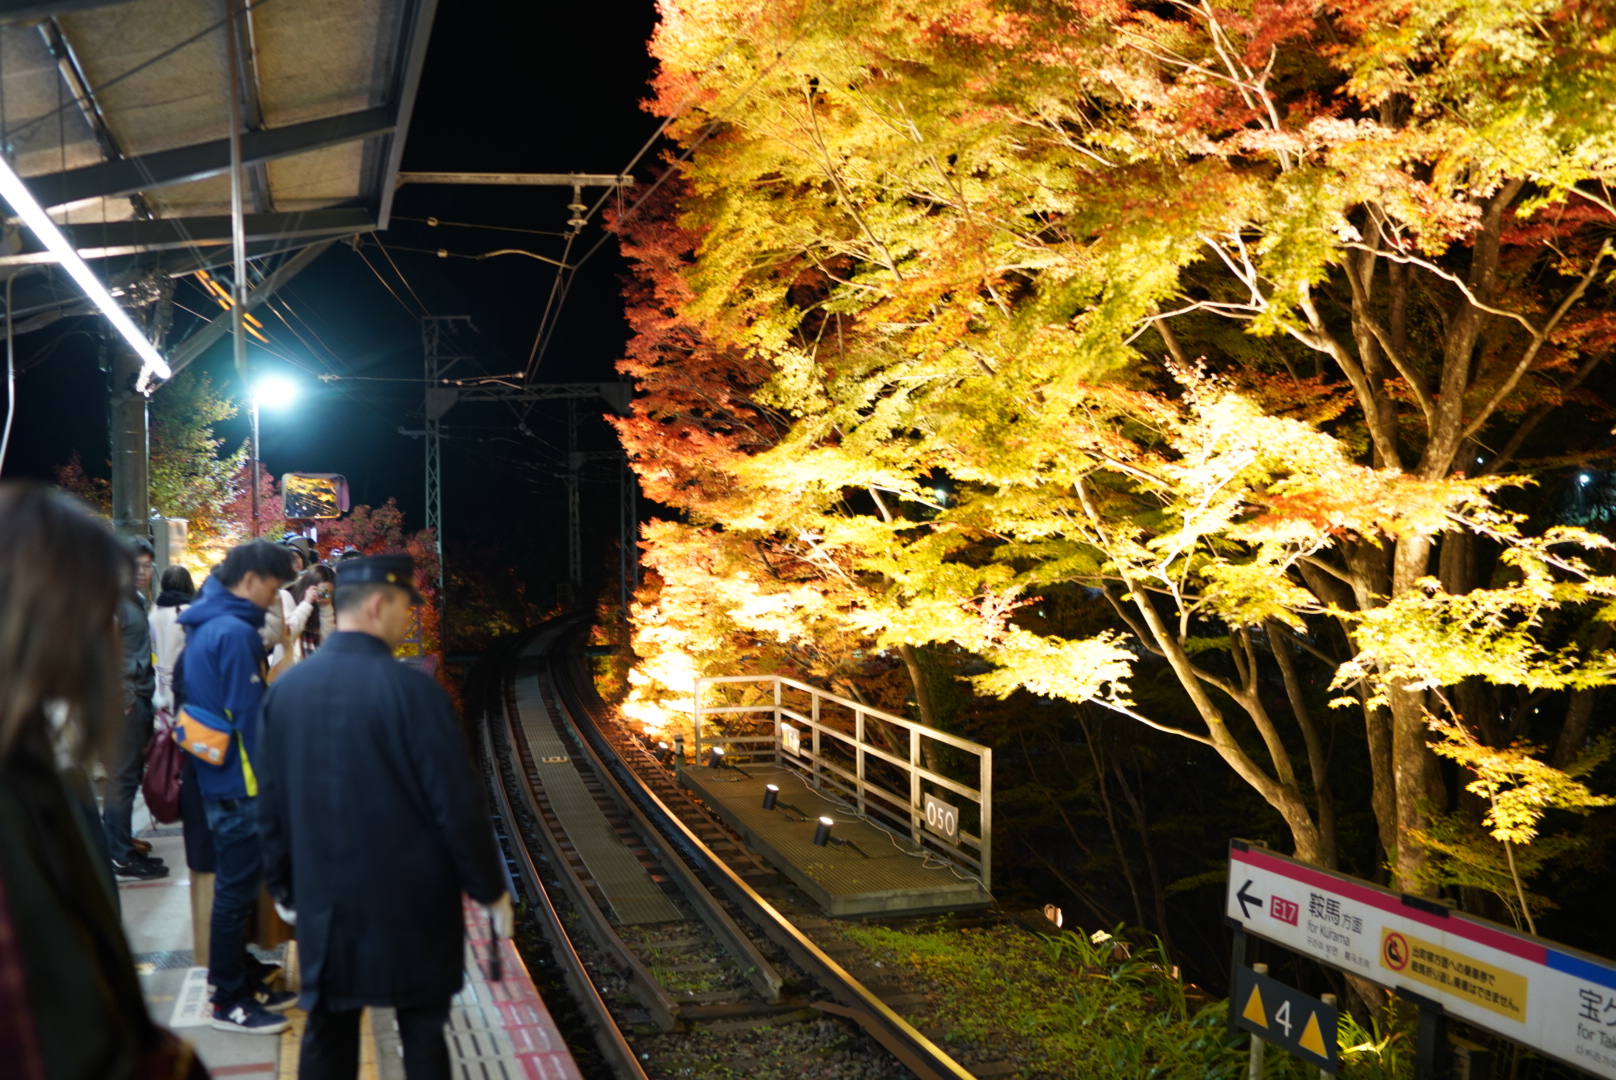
[
  {"x": 249, "y": 1018},
  {"x": 142, "y": 869},
  {"x": 261, "y": 971},
  {"x": 276, "y": 1001}
]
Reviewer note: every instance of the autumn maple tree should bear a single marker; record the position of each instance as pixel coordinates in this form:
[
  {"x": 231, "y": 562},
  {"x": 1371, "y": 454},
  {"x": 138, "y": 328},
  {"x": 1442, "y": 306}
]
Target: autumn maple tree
[{"x": 1253, "y": 323}]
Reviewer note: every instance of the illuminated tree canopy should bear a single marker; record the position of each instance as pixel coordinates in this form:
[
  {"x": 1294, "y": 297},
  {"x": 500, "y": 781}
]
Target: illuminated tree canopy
[{"x": 1249, "y": 326}]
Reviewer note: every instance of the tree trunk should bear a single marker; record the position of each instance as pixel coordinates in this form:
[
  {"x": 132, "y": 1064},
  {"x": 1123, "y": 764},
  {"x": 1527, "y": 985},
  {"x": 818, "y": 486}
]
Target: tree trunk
[{"x": 1409, "y": 751}]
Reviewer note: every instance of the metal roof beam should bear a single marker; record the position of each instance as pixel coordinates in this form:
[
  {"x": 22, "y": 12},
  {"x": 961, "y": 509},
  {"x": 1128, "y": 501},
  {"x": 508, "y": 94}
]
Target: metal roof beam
[
  {"x": 517, "y": 179},
  {"x": 412, "y": 54},
  {"x": 199, "y": 342},
  {"x": 167, "y": 234},
  {"x": 166, "y": 167},
  {"x": 27, "y": 11}
]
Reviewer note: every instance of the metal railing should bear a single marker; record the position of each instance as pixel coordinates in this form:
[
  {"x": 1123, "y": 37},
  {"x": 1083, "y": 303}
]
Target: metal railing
[{"x": 830, "y": 757}]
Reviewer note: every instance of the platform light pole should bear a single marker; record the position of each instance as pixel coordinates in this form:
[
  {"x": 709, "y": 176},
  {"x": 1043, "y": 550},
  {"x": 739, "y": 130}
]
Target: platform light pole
[{"x": 274, "y": 392}]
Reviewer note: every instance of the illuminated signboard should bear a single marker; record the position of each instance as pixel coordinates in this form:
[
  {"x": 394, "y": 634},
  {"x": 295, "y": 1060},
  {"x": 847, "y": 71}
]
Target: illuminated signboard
[
  {"x": 313, "y": 496},
  {"x": 1558, "y": 1000}
]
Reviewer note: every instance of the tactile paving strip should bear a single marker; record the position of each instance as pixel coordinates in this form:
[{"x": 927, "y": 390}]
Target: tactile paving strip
[
  {"x": 634, "y": 897},
  {"x": 501, "y": 1030}
]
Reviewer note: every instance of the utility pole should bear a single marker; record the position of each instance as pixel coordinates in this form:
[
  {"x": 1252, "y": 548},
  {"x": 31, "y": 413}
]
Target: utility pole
[
  {"x": 575, "y": 555},
  {"x": 437, "y": 363}
]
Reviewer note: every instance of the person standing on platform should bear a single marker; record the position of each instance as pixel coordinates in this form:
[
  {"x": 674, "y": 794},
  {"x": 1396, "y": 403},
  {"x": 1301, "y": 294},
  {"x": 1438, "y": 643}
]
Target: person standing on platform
[
  {"x": 70, "y": 1001},
  {"x": 373, "y": 826},
  {"x": 175, "y": 591},
  {"x": 129, "y": 761},
  {"x": 225, "y": 677}
]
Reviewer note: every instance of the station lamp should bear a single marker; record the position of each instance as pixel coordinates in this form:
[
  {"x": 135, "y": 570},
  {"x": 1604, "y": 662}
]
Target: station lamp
[
  {"x": 276, "y": 392},
  {"x": 715, "y": 758},
  {"x": 664, "y": 754},
  {"x": 33, "y": 215},
  {"x": 770, "y": 794}
]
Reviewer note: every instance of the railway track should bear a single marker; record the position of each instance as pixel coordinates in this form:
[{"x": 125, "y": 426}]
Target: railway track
[{"x": 676, "y": 962}]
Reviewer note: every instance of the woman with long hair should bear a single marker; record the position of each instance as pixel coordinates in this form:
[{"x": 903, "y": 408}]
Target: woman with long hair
[
  {"x": 322, "y": 580},
  {"x": 175, "y": 591},
  {"x": 70, "y": 1002}
]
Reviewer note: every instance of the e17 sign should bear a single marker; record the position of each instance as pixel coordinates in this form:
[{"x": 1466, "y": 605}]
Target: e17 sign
[{"x": 1554, "y": 999}]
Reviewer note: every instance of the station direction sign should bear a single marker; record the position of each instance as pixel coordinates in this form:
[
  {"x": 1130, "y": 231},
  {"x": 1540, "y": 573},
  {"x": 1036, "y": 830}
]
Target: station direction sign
[
  {"x": 1285, "y": 1017},
  {"x": 1556, "y": 1000}
]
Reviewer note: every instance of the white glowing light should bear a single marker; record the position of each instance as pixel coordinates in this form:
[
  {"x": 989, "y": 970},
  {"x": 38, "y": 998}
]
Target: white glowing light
[
  {"x": 1584, "y": 479},
  {"x": 33, "y": 215},
  {"x": 274, "y": 391}
]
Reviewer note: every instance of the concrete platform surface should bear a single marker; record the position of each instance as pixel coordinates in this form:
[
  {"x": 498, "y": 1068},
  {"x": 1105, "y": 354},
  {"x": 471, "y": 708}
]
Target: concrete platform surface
[
  {"x": 890, "y": 877},
  {"x": 496, "y": 1029}
]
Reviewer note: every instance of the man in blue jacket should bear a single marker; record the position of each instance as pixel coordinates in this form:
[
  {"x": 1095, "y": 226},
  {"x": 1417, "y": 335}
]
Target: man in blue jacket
[{"x": 225, "y": 675}]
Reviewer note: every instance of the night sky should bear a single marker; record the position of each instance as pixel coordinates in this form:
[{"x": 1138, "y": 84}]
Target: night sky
[{"x": 511, "y": 87}]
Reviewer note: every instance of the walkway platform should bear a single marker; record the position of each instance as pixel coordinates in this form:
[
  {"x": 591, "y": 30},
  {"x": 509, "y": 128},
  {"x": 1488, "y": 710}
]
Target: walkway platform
[
  {"x": 497, "y": 1030},
  {"x": 890, "y": 877}
]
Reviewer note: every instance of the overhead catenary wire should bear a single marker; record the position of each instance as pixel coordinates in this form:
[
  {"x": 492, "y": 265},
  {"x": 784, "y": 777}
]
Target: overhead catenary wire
[
  {"x": 436, "y": 222},
  {"x": 406, "y": 281},
  {"x": 560, "y": 289}
]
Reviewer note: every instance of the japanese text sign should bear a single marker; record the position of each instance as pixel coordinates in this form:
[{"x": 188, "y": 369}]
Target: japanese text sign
[
  {"x": 1556, "y": 1000},
  {"x": 1285, "y": 1017}
]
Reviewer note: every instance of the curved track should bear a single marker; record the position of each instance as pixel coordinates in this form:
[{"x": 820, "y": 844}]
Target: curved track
[{"x": 651, "y": 911}]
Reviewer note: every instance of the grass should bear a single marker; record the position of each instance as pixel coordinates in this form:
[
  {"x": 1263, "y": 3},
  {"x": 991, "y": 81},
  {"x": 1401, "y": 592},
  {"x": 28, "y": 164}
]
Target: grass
[{"x": 1073, "y": 1005}]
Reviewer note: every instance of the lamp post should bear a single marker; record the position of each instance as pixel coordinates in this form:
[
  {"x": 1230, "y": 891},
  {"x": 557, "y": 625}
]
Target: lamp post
[{"x": 272, "y": 391}]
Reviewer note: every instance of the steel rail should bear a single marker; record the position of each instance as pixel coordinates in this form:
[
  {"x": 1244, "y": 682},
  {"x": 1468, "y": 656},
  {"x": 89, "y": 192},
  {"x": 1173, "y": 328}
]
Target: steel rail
[
  {"x": 644, "y": 986},
  {"x": 608, "y": 1036},
  {"x": 922, "y": 1056}
]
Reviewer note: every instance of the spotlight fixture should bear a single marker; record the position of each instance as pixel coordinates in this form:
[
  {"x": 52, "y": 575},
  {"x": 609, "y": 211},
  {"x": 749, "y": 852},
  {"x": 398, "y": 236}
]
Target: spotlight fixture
[
  {"x": 822, "y": 834},
  {"x": 664, "y": 754},
  {"x": 770, "y": 794},
  {"x": 1053, "y": 914},
  {"x": 715, "y": 758}
]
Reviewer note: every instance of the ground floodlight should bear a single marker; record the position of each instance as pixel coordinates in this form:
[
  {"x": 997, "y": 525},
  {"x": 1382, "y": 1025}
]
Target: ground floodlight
[
  {"x": 663, "y": 753},
  {"x": 715, "y": 758},
  {"x": 1053, "y": 914},
  {"x": 822, "y": 834},
  {"x": 770, "y": 793}
]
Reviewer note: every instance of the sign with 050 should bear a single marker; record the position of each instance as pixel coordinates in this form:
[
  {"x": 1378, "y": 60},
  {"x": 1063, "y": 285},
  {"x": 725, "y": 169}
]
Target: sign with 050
[{"x": 941, "y": 818}]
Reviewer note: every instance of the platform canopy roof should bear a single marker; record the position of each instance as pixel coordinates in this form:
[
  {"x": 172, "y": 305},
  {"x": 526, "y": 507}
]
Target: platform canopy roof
[{"x": 117, "y": 117}]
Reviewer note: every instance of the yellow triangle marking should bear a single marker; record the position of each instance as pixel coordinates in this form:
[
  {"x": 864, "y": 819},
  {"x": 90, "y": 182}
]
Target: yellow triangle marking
[
  {"x": 1312, "y": 1039},
  {"x": 1254, "y": 1009}
]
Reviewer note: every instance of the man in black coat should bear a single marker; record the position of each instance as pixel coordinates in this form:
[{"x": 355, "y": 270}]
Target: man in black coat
[{"x": 373, "y": 824}]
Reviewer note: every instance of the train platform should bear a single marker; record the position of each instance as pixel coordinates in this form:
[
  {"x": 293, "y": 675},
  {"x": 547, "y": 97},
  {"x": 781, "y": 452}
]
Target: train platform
[
  {"x": 876, "y": 873},
  {"x": 497, "y": 1030}
]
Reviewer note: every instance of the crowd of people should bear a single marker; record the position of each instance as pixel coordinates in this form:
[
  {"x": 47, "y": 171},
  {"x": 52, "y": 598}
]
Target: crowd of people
[{"x": 313, "y": 763}]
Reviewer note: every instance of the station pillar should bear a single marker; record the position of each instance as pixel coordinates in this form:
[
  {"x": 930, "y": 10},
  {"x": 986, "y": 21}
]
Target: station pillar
[{"x": 130, "y": 438}]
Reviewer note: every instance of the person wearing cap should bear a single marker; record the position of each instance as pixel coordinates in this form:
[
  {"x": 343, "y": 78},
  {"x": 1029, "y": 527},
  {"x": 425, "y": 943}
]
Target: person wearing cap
[{"x": 373, "y": 825}]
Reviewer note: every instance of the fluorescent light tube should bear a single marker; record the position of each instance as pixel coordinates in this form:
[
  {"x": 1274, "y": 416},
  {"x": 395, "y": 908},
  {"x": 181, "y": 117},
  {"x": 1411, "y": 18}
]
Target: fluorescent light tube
[{"x": 33, "y": 215}]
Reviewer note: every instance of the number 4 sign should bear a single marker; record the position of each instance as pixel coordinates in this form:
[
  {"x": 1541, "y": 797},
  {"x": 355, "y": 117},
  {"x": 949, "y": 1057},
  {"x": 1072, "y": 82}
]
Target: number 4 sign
[{"x": 1287, "y": 1018}]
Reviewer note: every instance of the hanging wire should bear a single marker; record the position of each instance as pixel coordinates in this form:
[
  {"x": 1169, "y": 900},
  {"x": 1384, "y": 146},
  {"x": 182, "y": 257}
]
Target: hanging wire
[
  {"x": 401, "y": 277},
  {"x": 386, "y": 285},
  {"x": 435, "y": 222}
]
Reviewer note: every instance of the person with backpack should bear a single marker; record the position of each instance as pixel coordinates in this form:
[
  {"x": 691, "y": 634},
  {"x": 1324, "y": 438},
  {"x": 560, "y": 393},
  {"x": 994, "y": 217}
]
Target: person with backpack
[{"x": 225, "y": 676}]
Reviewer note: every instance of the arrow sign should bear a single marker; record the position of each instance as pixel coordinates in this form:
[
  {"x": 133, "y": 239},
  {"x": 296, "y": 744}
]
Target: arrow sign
[
  {"x": 1288, "y": 1018},
  {"x": 1246, "y": 899}
]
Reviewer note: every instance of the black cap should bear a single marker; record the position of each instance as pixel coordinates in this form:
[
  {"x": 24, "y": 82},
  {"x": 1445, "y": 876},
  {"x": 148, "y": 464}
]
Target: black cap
[{"x": 380, "y": 570}]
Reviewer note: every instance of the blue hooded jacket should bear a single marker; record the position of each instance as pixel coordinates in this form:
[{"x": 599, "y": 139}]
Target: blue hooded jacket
[{"x": 225, "y": 673}]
